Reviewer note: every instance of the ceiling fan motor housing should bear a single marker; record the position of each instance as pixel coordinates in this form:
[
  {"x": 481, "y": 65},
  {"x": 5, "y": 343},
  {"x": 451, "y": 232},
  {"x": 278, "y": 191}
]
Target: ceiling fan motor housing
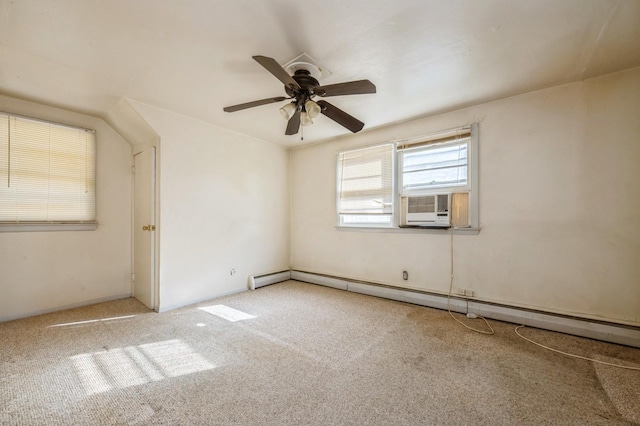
[{"x": 307, "y": 84}]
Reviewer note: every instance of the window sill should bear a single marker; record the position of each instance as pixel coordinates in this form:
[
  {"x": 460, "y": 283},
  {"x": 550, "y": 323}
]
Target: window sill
[
  {"x": 455, "y": 231},
  {"x": 47, "y": 227}
]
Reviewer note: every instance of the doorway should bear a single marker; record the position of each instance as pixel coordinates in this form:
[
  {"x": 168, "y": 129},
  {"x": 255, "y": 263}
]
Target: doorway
[{"x": 144, "y": 227}]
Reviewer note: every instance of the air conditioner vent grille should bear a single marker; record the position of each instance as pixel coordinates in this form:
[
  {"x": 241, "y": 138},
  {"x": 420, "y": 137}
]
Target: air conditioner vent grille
[{"x": 422, "y": 204}]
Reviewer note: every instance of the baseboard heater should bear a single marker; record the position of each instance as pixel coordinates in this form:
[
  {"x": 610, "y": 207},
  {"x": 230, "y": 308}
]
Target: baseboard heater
[
  {"x": 593, "y": 329},
  {"x": 256, "y": 281}
]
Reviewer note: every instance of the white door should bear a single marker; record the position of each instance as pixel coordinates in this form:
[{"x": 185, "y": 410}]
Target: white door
[{"x": 144, "y": 227}]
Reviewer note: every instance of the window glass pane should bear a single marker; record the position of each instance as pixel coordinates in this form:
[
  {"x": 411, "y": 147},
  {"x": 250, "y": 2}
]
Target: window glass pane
[
  {"x": 436, "y": 178},
  {"x": 435, "y": 166},
  {"x": 366, "y": 219},
  {"x": 436, "y": 158}
]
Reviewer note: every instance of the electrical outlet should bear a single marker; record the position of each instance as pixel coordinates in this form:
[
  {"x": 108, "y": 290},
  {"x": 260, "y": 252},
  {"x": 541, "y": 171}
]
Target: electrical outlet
[
  {"x": 405, "y": 275},
  {"x": 233, "y": 271}
]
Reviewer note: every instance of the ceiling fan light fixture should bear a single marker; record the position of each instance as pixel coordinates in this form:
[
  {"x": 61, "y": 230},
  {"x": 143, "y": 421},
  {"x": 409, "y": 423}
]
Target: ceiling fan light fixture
[
  {"x": 288, "y": 110},
  {"x": 305, "y": 119},
  {"x": 312, "y": 108}
]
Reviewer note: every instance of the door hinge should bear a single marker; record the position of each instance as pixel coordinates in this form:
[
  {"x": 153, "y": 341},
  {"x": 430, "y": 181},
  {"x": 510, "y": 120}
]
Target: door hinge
[{"x": 133, "y": 277}]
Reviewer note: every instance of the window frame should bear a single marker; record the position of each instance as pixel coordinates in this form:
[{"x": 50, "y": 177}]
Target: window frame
[
  {"x": 471, "y": 187},
  {"x": 56, "y": 224}
]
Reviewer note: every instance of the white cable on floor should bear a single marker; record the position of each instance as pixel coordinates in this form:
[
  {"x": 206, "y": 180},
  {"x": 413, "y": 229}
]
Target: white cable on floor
[
  {"x": 573, "y": 355},
  {"x": 449, "y": 299},
  {"x": 520, "y": 326}
]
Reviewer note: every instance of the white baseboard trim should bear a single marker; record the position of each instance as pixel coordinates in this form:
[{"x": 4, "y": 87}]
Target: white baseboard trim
[
  {"x": 64, "y": 307},
  {"x": 256, "y": 281},
  {"x": 599, "y": 330}
]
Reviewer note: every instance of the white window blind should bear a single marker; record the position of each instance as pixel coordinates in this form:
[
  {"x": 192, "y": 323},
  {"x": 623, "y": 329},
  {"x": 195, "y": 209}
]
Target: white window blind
[
  {"x": 365, "y": 183},
  {"x": 47, "y": 172},
  {"x": 435, "y": 164}
]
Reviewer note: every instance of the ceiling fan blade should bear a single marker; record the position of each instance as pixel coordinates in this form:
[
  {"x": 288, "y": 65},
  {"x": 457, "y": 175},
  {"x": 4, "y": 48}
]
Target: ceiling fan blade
[
  {"x": 294, "y": 123},
  {"x": 340, "y": 117},
  {"x": 350, "y": 88},
  {"x": 274, "y": 68},
  {"x": 246, "y": 105}
]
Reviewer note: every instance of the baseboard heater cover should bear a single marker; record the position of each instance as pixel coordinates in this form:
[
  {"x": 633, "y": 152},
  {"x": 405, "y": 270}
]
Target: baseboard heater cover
[
  {"x": 256, "y": 281},
  {"x": 324, "y": 280},
  {"x": 600, "y": 330},
  {"x": 417, "y": 298},
  {"x": 433, "y": 300}
]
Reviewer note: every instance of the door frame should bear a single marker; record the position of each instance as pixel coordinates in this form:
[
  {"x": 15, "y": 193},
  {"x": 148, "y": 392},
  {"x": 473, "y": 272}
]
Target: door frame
[{"x": 155, "y": 288}]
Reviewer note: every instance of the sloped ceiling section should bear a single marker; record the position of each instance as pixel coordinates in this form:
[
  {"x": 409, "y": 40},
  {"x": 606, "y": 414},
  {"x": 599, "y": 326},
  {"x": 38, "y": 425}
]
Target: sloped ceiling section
[
  {"x": 125, "y": 119},
  {"x": 193, "y": 57}
]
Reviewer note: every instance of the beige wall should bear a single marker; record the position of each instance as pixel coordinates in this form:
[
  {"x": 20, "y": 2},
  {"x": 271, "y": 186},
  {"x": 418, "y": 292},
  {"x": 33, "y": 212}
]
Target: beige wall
[
  {"x": 46, "y": 271},
  {"x": 559, "y": 206},
  {"x": 224, "y": 203},
  {"x": 559, "y": 211}
]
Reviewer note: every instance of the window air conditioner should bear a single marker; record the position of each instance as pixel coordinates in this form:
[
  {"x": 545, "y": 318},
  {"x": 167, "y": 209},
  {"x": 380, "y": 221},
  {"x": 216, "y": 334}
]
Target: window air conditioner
[{"x": 426, "y": 210}]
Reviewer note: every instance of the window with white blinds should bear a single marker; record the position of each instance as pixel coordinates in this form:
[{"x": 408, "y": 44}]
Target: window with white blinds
[
  {"x": 365, "y": 186},
  {"x": 47, "y": 173},
  {"x": 375, "y": 183}
]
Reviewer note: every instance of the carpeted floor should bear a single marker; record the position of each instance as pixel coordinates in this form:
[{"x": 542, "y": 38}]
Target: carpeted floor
[{"x": 300, "y": 354}]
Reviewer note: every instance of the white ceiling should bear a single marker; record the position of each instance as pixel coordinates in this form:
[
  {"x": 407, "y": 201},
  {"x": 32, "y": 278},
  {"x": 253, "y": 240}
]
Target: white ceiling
[{"x": 194, "y": 56}]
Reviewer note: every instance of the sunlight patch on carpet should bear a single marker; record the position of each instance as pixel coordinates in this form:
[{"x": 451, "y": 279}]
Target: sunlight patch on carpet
[
  {"x": 136, "y": 365},
  {"x": 80, "y": 323},
  {"x": 227, "y": 313}
]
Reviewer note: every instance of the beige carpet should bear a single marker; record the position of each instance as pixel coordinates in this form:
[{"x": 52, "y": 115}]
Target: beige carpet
[{"x": 301, "y": 354}]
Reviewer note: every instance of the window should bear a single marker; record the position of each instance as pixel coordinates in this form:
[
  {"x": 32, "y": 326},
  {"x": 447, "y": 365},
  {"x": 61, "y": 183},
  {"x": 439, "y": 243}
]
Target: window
[
  {"x": 47, "y": 175},
  {"x": 365, "y": 186},
  {"x": 435, "y": 166},
  {"x": 436, "y": 182}
]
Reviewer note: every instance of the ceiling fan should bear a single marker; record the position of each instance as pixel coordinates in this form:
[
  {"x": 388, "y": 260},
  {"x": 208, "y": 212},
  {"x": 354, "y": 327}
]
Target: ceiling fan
[{"x": 302, "y": 87}]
